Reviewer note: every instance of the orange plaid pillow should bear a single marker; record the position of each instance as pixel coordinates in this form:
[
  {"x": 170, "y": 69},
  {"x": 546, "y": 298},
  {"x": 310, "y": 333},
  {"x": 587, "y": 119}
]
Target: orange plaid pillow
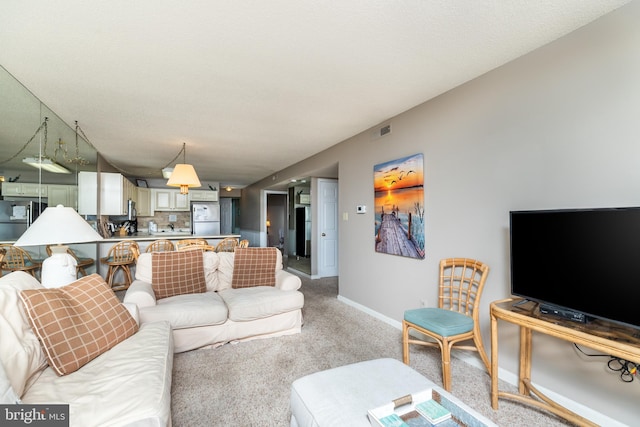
[
  {"x": 78, "y": 322},
  {"x": 254, "y": 267},
  {"x": 177, "y": 273}
]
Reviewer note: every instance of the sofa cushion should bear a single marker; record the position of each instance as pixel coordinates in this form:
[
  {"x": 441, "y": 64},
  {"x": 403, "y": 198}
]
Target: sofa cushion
[
  {"x": 225, "y": 270},
  {"x": 177, "y": 273},
  {"x": 187, "y": 311},
  {"x": 7, "y": 393},
  {"x": 211, "y": 261},
  {"x": 254, "y": 267},
  {"x": 129, "y": 385},
  {"x": 77, "y": 322},
  {"x": 20, "y": 351},
  {"x": 143, "y": 267},
  {"x": 259, "y": 302}
]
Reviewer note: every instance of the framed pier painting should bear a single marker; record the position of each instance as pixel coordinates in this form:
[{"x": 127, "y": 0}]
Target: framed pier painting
[{"x": 399, "y": 206}]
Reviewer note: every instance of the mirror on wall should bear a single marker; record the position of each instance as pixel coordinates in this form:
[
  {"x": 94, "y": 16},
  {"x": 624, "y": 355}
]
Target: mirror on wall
[{"x": 23, "y": 135}]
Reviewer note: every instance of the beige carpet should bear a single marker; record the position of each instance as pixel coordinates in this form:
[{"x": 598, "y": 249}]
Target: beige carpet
[{"x": 248, "y": 384}]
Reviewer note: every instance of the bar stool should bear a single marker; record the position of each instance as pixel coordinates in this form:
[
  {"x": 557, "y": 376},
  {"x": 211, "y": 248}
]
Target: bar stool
[
  {"x": 17, "y": 259},
  {"x": 182, "y": 244},
  {"x": 160, "y": 245},
  {"x": 228, "y": 244},
  {"x": 121, "y": 256}
]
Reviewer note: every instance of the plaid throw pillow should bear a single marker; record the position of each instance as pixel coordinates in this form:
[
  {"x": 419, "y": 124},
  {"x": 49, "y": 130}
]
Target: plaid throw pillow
[
  {"x": 177, "y": 273},
  {"x": 254, "y": 267},
  {"x": 78, "y": 322}
]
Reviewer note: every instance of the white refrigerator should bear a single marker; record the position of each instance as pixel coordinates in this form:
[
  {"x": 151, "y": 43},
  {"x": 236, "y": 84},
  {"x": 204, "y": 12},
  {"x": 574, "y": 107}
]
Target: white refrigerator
[{"x": 205, "y": 219}]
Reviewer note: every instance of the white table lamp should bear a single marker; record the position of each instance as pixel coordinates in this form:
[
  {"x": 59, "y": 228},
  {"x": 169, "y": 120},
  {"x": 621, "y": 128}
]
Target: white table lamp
[{"x": 57, "y": 227}]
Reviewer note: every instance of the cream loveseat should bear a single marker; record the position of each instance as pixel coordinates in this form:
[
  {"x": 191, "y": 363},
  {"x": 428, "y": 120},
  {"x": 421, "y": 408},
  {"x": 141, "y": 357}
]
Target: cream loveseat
[
  {"x": 93, "y": 356},
  {"x": 214, "y": 298}
]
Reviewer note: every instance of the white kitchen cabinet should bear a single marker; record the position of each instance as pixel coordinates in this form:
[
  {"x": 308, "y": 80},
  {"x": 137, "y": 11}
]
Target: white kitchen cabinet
[
  {"x": 169, "y": 200},
  {"x": 203, "y": 195},
  {"x": 143, "y": 205},
  {"x": 115, "y": 192},
  {"x": 66, "y": 195},
  {"x": 87, "y": 193},
  {"x": 23, "y": 189}
]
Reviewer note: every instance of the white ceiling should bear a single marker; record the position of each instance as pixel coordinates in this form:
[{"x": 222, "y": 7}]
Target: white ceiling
[{"x": 254, "y": 86}]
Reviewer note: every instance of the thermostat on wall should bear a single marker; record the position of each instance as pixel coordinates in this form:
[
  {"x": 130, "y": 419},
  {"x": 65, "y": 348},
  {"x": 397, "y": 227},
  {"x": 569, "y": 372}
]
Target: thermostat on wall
[{"x": 361, "y": 209}]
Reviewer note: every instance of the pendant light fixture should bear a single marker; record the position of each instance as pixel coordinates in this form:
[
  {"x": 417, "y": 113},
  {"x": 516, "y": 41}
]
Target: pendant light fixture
[
  {"x": 184, "y": 175},
  {"x": 42, "y": 161}
]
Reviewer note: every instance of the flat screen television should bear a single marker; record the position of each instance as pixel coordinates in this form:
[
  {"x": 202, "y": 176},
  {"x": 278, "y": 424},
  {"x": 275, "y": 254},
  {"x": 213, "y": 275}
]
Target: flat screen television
[{"x": 584, "y": 261}]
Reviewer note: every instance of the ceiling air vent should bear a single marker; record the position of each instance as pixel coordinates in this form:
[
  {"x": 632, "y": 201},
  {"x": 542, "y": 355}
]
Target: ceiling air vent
[{"x": 385, "y": 130}]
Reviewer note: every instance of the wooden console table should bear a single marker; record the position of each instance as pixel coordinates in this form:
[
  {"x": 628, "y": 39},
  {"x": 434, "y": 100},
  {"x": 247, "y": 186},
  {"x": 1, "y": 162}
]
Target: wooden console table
[{"x": 607, "y": 337}]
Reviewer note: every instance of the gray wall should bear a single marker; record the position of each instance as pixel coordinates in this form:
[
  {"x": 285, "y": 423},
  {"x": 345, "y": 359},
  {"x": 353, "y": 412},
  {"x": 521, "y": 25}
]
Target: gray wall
[{"x": 558, "y": 128}]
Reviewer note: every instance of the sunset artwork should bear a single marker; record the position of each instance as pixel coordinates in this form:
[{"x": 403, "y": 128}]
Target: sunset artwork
[{"x": 399, "y": 206}]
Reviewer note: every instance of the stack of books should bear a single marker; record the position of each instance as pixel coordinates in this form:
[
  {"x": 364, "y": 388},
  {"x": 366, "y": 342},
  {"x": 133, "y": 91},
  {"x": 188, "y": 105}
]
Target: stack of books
[
  {"x": 433, "y": 411},
  {"x": 427, "y": 413}
]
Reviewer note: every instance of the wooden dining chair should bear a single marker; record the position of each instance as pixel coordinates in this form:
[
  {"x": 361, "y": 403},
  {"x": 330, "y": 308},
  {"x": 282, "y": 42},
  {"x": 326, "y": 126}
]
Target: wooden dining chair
[
  {"x": 121, "y": 256},
  {"x": 244, "y": 243},
  {"x": 17, "y": 259},
  {"x": 455, "y": 321}
]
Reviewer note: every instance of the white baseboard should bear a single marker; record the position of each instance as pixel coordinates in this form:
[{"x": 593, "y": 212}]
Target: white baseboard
[{"x": 505, "y": 375}]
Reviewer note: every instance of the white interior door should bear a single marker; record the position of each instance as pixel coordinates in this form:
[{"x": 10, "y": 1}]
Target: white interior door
[{"x": 327, "y": 227}]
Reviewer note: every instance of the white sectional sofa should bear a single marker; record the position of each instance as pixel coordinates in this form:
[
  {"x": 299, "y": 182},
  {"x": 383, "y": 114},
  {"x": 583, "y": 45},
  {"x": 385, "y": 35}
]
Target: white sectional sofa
[
  {"x": 222, "y": 312},
  {"x": 127, "y": 384}
]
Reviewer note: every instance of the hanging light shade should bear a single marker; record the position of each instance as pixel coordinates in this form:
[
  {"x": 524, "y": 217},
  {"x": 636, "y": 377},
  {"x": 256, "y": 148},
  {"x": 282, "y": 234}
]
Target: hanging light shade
[{"x": 184, "y": 175}]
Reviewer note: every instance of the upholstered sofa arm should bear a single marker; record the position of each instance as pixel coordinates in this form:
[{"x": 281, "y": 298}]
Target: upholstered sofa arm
[
  {"x": 133, "y": 310},
  {"x": 286, "y": 281},
  {"x": 141, "y": 294}
]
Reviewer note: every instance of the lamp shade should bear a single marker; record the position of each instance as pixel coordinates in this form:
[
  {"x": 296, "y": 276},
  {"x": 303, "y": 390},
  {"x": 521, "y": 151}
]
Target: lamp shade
[
  {"x": 185, "y": 177},
  {"x": 58, "y": 225}
]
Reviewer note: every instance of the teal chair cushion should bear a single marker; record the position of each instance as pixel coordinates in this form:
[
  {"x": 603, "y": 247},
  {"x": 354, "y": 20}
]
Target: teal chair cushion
[{"x": 443, "y": 322}]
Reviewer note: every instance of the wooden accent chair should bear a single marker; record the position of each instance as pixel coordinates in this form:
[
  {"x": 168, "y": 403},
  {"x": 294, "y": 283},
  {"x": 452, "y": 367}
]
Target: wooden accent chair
[
  {"x": 186, "y": 243},
  {"x": 456, "y": 319},
  {"x": 121, "y": 256},
  {"x": 228, "y": 244},
  {"x": 244, "y": 243},
  {"x": 17, "y": 259},
  {"x": 161, "y": 245},
  {"x": 81, "y": 263}
]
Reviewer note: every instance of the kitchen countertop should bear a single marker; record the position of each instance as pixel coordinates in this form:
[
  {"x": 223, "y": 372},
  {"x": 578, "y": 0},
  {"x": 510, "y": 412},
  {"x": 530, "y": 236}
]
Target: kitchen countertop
[
  {"x": 144, "y": 236},
  {"x": 169, "y": 235}
]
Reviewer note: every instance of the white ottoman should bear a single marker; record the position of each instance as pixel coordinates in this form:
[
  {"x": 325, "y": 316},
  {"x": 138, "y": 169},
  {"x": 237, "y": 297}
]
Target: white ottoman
[{"x": 342, "y": 396}]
